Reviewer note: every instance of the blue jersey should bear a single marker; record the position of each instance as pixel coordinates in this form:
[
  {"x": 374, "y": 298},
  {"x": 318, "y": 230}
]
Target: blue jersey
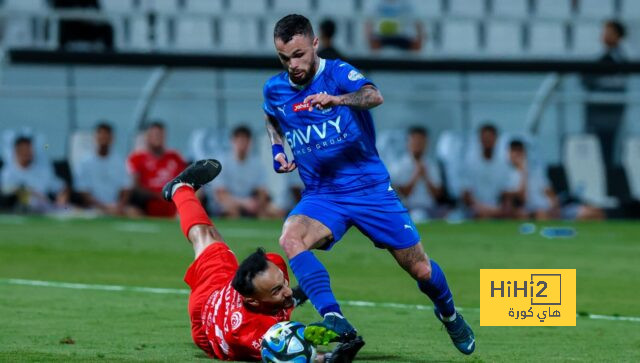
[{"x": 334, "y": 148}]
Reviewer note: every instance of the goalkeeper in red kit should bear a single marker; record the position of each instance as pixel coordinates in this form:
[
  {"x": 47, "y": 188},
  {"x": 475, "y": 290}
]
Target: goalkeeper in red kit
[{"x": 232, "y": 305}]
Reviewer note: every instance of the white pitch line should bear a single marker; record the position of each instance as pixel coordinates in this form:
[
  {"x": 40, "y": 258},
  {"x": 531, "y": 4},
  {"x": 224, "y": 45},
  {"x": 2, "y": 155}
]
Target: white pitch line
[
  {"x": 136, "y": 227},
  {"x": 354, "y": 303}
]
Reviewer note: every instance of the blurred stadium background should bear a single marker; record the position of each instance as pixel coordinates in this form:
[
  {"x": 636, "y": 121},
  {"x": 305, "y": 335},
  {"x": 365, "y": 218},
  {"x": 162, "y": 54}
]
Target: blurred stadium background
[{"x": 199, "y": 66}]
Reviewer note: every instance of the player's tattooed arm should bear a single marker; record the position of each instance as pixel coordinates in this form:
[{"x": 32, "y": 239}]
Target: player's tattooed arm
[
  {"x": 273, "y": 130},
  {"x": 366, "y": 97}
]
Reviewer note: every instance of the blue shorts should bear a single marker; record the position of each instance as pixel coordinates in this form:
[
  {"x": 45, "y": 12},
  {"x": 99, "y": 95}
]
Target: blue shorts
[{"x": 376, "y": 211}]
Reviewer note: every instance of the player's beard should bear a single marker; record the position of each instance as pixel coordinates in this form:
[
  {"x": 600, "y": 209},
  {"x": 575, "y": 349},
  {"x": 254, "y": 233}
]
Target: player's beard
[
  {"x": 287, "y": 303},
  {"x": 308, "y": 74}
]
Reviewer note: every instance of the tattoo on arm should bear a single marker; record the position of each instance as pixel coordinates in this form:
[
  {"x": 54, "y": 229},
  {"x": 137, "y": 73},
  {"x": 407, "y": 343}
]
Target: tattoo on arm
[
  {"x": 366, "y": 97},
  {"x": 273, "y": 130}
]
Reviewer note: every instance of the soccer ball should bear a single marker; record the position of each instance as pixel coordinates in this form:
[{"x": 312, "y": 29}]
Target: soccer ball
[{"x": 284, "y": 342}]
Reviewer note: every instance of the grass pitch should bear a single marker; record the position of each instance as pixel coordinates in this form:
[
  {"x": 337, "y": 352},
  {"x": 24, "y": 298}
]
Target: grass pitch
[{"x": 59, "y": 324}]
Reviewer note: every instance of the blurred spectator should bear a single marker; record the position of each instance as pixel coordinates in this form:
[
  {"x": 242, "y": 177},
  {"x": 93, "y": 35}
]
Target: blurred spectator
[
  {"x": 31, "y": 186},
  {"x": 73, "y": 31},
  {"x": 486, "y": 178},
  {"x": 151, "y": 169},
  {"x": 102, "y": 177},
  {"x": 327, "y": 31},
  {"x": 417, "y": 178},
  {"x": 533, "y": 196},
  {"x": 239, "y": 190},
  {"x": 394, "y": 26},
  {"x": 604, "y": 119}
]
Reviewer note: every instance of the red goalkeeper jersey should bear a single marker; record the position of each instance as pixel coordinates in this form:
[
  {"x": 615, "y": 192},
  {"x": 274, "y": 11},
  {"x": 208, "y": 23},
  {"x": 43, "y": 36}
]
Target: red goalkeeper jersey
[{"x": 221, "y": 325}]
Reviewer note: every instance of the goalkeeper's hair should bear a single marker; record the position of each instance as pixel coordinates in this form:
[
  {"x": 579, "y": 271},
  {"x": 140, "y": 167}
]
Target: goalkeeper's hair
[
  {"x": 253, "y": 265},
  {"x": 292, "y": 25}
]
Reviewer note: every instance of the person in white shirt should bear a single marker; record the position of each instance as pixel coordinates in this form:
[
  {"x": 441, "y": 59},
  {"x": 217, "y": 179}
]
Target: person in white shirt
[
  {"x": 239, "y": 191},
  {"x": 534, "y": 197},
  {"x": 417, "y": 178},
  {"x": 31, "y": 184},
  {"x": 486, "y": 178},
  {"x": 102, "y": 179}
]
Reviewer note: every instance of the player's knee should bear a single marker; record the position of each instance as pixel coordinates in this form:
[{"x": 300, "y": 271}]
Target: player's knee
[
  {"x": 291, "y": 244},
  {"x": 421, "y": 271}
]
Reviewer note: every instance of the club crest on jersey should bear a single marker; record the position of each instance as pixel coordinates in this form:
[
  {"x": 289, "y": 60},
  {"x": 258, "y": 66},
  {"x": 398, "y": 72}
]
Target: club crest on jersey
[
  {"x": 302, "y": 106},
  {"x": 236, "y": 320}
]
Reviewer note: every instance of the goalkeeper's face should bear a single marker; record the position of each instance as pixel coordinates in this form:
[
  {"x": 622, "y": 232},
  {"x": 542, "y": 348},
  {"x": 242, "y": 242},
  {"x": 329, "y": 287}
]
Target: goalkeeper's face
[
  {"x": 272, "y": 291},
  {"x": 298, "y": 56}
]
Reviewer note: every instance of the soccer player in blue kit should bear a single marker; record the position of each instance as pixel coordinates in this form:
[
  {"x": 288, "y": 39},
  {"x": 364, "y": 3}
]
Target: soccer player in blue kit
[{"x": 321, "y": 108}]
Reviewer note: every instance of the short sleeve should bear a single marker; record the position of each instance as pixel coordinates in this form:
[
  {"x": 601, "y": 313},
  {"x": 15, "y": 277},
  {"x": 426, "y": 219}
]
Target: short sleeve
[
  {"x": 266, "y": 105},
  {"x": 348, "y": 78}
]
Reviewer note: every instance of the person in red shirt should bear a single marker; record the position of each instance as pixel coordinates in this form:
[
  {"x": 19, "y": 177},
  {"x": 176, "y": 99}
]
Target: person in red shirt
[
  {"x": 152, "y": 168},
  {"x": 232, "y": 305}
]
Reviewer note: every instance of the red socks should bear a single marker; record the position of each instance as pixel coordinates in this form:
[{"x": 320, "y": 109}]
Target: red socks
[{"x": 189, "y": 209}]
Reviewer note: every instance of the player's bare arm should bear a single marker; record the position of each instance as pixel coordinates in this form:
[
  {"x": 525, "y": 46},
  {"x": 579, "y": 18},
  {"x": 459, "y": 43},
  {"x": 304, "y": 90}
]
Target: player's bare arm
[
  {"x": 365, "y": 98},
  {"x": 275, "y": 136}
]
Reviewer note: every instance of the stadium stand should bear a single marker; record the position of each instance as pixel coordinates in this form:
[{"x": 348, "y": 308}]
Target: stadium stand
[{"x": 452, "y": 103}]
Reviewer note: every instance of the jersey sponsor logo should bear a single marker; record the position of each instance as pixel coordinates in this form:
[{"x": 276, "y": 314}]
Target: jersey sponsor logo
[
  {"x": 300, "y": 137},
  {"x": 236, "y": 320},
  {"x": 256, "y": 343},
  {"x": 302, "y": 106},
  {"x": 355, "y": 75}
]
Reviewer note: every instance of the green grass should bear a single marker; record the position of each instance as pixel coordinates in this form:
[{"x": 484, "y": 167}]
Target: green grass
[{"x": 117, "y": 326}]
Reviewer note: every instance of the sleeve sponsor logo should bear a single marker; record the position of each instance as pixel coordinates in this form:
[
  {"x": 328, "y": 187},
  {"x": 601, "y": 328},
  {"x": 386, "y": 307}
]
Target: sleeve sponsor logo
[{"x": 355, "y": 75}]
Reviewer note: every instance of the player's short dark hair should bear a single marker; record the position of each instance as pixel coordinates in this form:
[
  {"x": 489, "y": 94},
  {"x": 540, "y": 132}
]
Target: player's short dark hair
[
  {"x": 21, "y": 140},
  {"x": 292, "y": 25},
  {"x": 328, "y": 28},
  {"x": 104, "y": 126},
  {"x": 489, "y": 127},
  {"x": 418, "y": 130},
  {"x": 241, "y": 130},
  {"x": 516, "y": 145},
  {"x": 618, "y": 27},
  {"x": 252, "y": 266},
  {"x": 155, "y": 124}
]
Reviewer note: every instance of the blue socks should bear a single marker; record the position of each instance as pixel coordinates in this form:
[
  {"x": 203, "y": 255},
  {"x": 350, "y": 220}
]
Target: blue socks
[
  {"x": 314, "y": 280},
  {"x": 438, "y": 291}
]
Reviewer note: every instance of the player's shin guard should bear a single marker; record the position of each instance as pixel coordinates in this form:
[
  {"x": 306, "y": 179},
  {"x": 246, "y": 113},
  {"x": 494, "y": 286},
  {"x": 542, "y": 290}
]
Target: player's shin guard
[
  {"x": 189, "y": 209},
  {"x": 314, "y": 280},
  {"x": 438, "y": 291}
]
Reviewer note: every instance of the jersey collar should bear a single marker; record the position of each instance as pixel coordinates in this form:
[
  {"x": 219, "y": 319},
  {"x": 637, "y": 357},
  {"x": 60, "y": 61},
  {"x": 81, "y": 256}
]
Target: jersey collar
[{"x": 320, "y": 69}]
